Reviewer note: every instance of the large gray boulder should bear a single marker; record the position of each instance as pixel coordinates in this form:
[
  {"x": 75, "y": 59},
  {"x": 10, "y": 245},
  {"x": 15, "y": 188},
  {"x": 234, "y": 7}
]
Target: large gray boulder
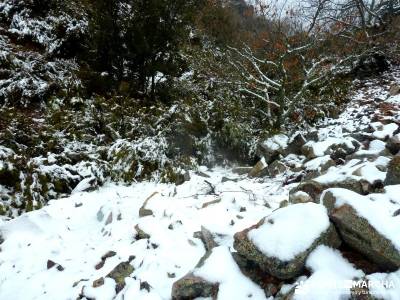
[
  {"x": 280, "y": 243},
  {"x": 347, "y": 211},
  {"x": 358, "y": 233},
  {"x": 393, "y": 173}
]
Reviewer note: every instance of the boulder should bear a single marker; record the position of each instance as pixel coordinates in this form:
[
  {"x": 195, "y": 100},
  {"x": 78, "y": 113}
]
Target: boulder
[
  {"x": 182, "y": 177},
  {"x": 295, "y": 144},
  {"x": 393, "y": 173},
  {"x": 191, "y": 287},
  {"x": 394, "y": 90},
  {"x": 119, "y": 273},
  {"x": 311, "y": 187},
  {"x": 393, "y": 144},
  {"x": 359, "y": 234},
  {"x": 259, "y": 170},
  {"x": 273, "y": 147},
  {"x": 207, "y": 238},
  {"x": 300, "y": 197},
  {"x": 280, "y": 243},
  {"x": 270, "y": 284},
  {"x": 276, "y": 168},
  {"x": 330, "y": 146}
]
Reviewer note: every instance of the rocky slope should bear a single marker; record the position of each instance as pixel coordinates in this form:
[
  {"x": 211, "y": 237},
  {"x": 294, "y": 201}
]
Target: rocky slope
[{"x": 316, "y": 218}]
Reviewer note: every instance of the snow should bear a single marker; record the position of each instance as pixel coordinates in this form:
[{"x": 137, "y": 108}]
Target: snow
[
  {"x": 285, "y": 233},
  {"x": 220, "y": 267},
  {"x": 76, "y": 231},
  {"x": 276, "y": 142},
  {"x": 385, "y": 286},
  {"x": 353, "y": 169},
  {"x": 315, "y": 164},
  {"x": 321, "y": 148},
  {"x": 331, "y": 274},
  {"x": 386, "y": 131},
  {"x": 379, "y": 216}
]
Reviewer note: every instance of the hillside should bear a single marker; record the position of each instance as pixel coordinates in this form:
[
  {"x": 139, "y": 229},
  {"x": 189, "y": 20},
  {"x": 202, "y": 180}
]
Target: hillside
[{"x": 199, "y": 150}]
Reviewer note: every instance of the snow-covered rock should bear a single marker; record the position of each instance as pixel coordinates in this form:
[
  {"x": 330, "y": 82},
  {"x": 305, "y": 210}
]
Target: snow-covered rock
[
  {"x": 281, "y": 242},
  {"x": 366, "y": 225},
  {"x": 272, "y": 147}
]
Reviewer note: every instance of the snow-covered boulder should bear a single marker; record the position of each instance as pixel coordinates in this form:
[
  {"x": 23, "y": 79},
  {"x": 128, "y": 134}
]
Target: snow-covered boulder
[
  {"x": 273, "y": 147},
  {"x": 280, "y": 243},
  {"x": 217, "y": 274},
  {"x": 393, "y": 173},
  {"x": 383, "y": 132},
  {"x": 310, "y": 187},
  {"x": 330, "y": 146},
  {"x": 367, "y": 226},
  {"x": 327, "y": 265}
]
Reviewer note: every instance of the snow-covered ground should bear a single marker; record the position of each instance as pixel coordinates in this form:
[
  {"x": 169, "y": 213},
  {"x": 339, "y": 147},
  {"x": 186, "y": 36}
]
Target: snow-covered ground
[
  {"x": 77, "y": 231},
  {"x": 63, "y": 250}
]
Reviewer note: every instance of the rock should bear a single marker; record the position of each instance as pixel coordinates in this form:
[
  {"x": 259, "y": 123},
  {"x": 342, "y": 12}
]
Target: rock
[
  {"x": 347, "y": 146},
  {"x": 143, "y": 211},
  {"x": 393, "y": 144},
  {"x": 312, "y": 135},
  {"x": 360, "y": 235},
  {"x": 86, "y": 185},
  {"x": 140, "y": 234},
  {"x": 300, "y": 197},
  {"x": 319, "y": 164},
  {"x": 206, "y": 237},
  {"x": 273, "y": 147},
  {"x": 295, "y": 144},
  {"x": 242, "y": 170},
  {"x": 98, "y": 282},
  {"x": 260, "y": 169},
  {"x": 286, "y": 268},
  {"x": 191, "y": 287},
  {"x": 182, "y": 177},
  {"x": 394, "y": 90},
  {"x": 277, "y": 168},
  {"x": 104, "y": 258},
  {"x": 119, "y": 273},
  {"x": 312, "y": 188},
  {"x": 216, "y": 201},
  {"x": 226, "y": 179},
  {"x": 271, "y": 285},
  {"x": 51, "y": 264},
  {"x": 393, "y": 173},
  {"x": 202, "y": 174}
]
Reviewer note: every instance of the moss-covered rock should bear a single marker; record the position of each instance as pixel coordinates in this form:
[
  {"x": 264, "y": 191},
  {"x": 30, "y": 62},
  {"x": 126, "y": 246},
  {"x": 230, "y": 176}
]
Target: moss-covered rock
[
  {"x": 360, "y": 235},
  {"x": 393, "y": 173},
  {"x": 119, "y": 273}
]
